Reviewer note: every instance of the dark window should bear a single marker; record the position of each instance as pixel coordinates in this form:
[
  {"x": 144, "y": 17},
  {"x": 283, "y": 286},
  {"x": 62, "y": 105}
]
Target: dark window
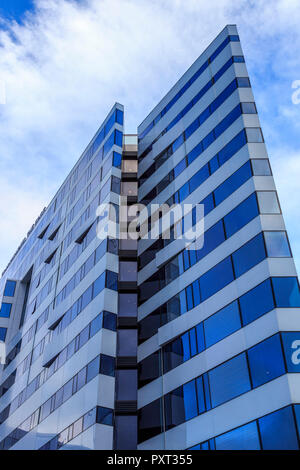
[
  {"x": 150, "y": 420},
  {"x": 5, "y": 310},
  {"x": 242, "y": 438},
  {"x": 216, "y": 278},
  {"x": 241, "y": 215},
  {"x": 93, "y": 369},
  {"x": 286, "y": 290}
]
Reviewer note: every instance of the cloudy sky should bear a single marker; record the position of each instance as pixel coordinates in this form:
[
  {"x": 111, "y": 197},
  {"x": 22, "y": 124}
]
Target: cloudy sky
[{"x": 65, "y": 62}]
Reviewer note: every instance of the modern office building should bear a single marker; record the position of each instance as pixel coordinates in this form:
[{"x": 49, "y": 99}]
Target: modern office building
[{"x": 152, "y": 344}]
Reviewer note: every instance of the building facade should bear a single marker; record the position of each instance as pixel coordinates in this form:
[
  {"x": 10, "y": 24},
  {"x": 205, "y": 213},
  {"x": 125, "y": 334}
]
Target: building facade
[{"x": 117, "y": 343}]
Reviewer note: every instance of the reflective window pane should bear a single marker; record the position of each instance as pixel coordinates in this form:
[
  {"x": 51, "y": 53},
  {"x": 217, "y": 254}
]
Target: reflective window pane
[
  {"x": 277, "y": 244},
  {"x": 268, "y": 202}
]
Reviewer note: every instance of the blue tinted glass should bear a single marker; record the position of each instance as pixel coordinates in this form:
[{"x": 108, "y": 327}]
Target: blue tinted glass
[
  {"x": 197, "y": 447},
  {"x": 179, "y": 168},
  {"x": 111, "y": 280},
  {"x": 200, "y": 394},
  {"x": 208, "y": 203},
  {"x": 204, "y": 115},
  {"x": 291, "y": 347},
  {"x": 229, "y": 380},
  {"x": 232, "y": 147},
  {"x": 207, "y": 391},
  {"x": 118, "y": 138},
  {"x": 193, "y": 342},
  {"x": 241, "y": 215},
  {"x": 228, "y": 120},
  {"x": 214, "y": 164},
  {"x": 243, "y": 82},
  {"x": 266, "y": 361},
  {"x": 192, "y": 127},
  {"x": 249, "y": 255},
  {"x": 178, "y": 142},
  {"x": 208, "y": 140},
  {"x": 286, "y": 291},
  {"x": 184, "y": 192},
  {"x": 5, "y": 310},
  {"x": 277, "y": 244},
  {"x": 238, "y": 58},
  {"x": 297, "y": 413},
  {"x": 96, "y": 324},
  {"x": 278, "y": 431},
  {"x": 3, "y": 333},
  {"x": 10, "y": 287},
  {"x": 216, "y": 278},
  {"x": 200, "y": 337},
  {"x": 248, "y": 108},
  {"x": 196, "y": 292},
  {"x": 194, "y": 153},
  {"x": 117, "y": 159},
  {"x": 189, "y": 297},
  {"x": 99, "y": 285},
  {"x": 213, "y": 237},
  {"x": 93, "y": 369},
  {"x": 198, "y": 178},
  {"x": 243, "y": 438},
  {"x": 186, "y": 347},
  {"x": 119, "y": 116},
  {"x": 232, "y": 183},
  {"x": 222, "y": 324},
  {"x": 256, "y": 302},
  {"x": 190, "y": 400}
]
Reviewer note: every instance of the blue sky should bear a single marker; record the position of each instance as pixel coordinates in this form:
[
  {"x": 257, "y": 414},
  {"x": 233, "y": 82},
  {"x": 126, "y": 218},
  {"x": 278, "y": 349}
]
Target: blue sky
[
  {"x": 64, "y": 63},
  {"x": 15, "y": 9}
]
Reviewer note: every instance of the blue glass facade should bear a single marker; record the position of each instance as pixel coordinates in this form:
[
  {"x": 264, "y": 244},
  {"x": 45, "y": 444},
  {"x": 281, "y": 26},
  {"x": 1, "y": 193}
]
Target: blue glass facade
[{"x": 118, "y": 344}]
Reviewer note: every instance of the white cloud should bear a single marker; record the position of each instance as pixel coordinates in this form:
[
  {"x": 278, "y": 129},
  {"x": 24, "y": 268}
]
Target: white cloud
[{"x": 71, "y": 60}]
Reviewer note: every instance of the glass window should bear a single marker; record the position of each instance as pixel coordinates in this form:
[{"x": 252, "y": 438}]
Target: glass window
[
  {"x": 96, "y": 324},
  {"x": 248, "y": 108},
  {"x": 93, "y": 369},
  {"x": 241, "y": 215},
  {"x": 199, "y": 177},
  {"x": 257, "y": 302},
  {"x": 184, "y": 192},
  {"x": 129, "y": 188},
  {"x": 179, "y": 168},
  {"x": 291, "y": 347},
  {"x": 243, "y": 82},
  {"x": 3, "y": 332},
  {"x": 129, "y": 166},
  {"x": 127, "y": 342},
  {"x": 174, "y": 408},
  {"x": 128, "y": 305},
  {"x": 222, "y": 324},
  {"x": 178, "y": 142},
  {"x": 278, "y": 431},
  {"x": 128, "y": 271},
  {"x": 254, "y": 134},
  {"x": 67, "y": 390},
  {"x": 10, "y": 288},
  {"x": 107, "y": 366},
  {"x": 277, "y": 244},
  {"x": 261, "y": 167},
  {"x": 216, "y": 278},
  {"x": 229, "y": 380},
  {"x": 5, "y": 310},
  {"x": 200, "y": 395},
  {"x": 286, "y": 291},
  {"x": 266, "y": 361},
  {"x": 99, "y": 285},
  {"x": 232, "y": 147},
  {"x": 242, "y": 438},
  {"x": 126, "y": 385},
  {"x": 268, "y": 202},
  {"x": 193, "y": 342},
  {"x": 200, "y": 337},
  {"x": 232, "y": 183},
  {"x": 190, "y": 400},
  {"x": 250, "y": 254},
  {"x": 150, "y": 420},
  {"x": 89, "y": 419}
]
